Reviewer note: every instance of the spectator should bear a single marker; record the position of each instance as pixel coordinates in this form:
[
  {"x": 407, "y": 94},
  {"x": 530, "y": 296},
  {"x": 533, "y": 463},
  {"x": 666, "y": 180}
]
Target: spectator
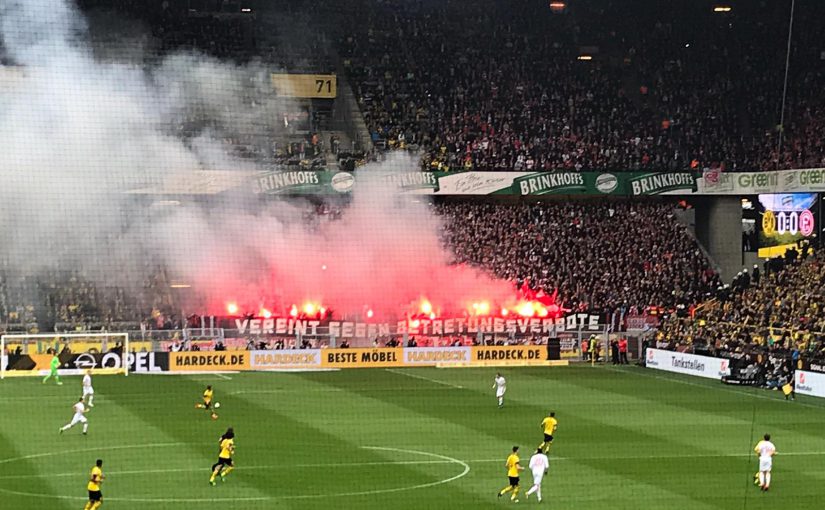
[{"x": 623, "y": 351}]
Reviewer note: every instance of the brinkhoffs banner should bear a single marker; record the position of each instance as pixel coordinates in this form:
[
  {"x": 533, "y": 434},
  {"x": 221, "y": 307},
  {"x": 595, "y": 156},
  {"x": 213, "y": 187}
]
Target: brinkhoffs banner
[{"x": 309, "y": 182}]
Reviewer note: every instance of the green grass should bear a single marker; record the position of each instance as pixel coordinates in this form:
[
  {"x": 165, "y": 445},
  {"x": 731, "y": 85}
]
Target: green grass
[{"x": 364, "y": 439}]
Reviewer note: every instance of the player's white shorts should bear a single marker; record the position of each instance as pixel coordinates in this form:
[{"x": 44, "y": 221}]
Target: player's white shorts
[
  {"x": 78, "y": 418},
  {"x": 537, "y": 476},
  {"x": 500, "y": 393},
  {"x": 88, "y": 390},
  {"x": 765, "y": 464}
]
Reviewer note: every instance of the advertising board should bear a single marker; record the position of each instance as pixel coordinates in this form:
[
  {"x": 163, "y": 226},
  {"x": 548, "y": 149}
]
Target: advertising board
[{"x": 689, "y": 364}]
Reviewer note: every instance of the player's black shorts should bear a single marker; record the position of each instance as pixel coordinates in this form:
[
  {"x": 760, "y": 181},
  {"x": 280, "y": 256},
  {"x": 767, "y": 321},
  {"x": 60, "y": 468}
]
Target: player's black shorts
[
  {"x": 548, "y": 438},
  {"x": 513, "y": 480},
  {"x": 95, "y": 496},
  {"x": 207, "y": 405},
  {"x": 224, "y": 462}
]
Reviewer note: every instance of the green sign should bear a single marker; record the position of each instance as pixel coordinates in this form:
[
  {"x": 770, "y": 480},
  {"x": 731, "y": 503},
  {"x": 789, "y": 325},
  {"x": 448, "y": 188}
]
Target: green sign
[
  {"x": 300, "y": 182},
  {"x": 303, "y": 182},
  {"x": 805, "y": 180}
]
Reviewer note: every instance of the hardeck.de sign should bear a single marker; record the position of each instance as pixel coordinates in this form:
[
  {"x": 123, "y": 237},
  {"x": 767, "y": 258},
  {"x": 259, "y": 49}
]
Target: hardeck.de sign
[
  {"x": 509, "y": 355},
  {"x": 208, "y": 361}
]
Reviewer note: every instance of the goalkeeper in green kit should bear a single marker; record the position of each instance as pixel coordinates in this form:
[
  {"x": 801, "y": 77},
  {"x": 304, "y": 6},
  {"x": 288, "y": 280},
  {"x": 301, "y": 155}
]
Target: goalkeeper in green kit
[{"x": 55, "y": 363}]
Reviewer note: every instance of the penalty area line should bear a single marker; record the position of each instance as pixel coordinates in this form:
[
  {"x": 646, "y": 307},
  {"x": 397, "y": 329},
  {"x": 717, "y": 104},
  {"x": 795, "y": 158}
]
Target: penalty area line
[{"x": 416, "y": 376}]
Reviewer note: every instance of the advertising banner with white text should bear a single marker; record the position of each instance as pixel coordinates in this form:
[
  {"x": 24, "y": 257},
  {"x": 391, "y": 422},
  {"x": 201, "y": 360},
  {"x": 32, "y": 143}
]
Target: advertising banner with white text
[
  {"x": 285, "y": 359},
  {"x": 436, "y": 356},
  {"x": 809, "y": 383},
  {"x": 689, "y": 364}
]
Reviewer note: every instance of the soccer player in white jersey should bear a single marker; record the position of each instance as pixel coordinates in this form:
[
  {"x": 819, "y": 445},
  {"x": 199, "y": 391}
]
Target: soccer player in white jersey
[
  {"x": 765, "y": 450},
  {"x": 88, "y": 391},
  {"x": 539, "y": 464},
  {"x": 79, "y": 412},
  {"x": 500, "y": 385}
]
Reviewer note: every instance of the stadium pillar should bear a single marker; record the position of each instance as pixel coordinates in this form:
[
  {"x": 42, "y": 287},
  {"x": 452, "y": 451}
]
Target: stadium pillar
[{"x": 719, "y": 229}]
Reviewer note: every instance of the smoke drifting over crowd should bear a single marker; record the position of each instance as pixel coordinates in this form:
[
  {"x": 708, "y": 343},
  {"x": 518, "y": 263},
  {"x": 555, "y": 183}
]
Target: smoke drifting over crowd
[{"x": 77, "y": 134}]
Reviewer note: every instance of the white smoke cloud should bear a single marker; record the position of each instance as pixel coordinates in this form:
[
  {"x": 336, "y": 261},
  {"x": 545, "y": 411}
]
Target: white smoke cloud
[{"x": 76, "y": 133}]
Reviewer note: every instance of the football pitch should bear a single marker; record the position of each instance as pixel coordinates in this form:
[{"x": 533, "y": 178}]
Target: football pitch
[{"x": 410, "y": 438}]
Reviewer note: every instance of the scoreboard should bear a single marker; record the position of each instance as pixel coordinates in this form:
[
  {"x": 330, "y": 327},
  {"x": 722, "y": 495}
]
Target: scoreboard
[
  {"x": 786, "y": 219},
  {"x": 310, "y": 86}
]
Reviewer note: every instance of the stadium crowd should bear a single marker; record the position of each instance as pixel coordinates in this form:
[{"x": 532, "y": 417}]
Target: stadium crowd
[
  {"x": 769, "y": 318},
  {"x": 506, "y": 91},
  {"x": 68, "y": 301},
  {"x": 601, "y": 256},
  {"x": 498, "y": 86}
]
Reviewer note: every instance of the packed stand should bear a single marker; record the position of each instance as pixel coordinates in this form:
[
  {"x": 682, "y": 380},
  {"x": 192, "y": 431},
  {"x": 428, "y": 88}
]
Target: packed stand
[
  {"x": 601, "y": 256},
  {"x": 718, "y": 97},
  {"x": 770, "y": 317},
  {"x": 73, "y": 301},
  {"x": 502, "y": 92},
  {"x": 505, "y": 91}
]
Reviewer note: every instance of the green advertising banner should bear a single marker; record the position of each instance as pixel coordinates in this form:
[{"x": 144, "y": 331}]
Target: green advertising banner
[
  {"x": 601, "y": 183},
  {"x": 804, "y": 180},
  {"x": 300, "y": 182}
]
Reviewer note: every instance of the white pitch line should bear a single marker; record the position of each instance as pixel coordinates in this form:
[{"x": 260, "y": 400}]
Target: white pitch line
[
  {"x": 332, "y": 389},
  {"x": 416, "y": 376},
  {"x": 209, "y": 377},
  {"x": 92, "y": 448},
  {"x": 265, "y": 467},
  {"x": 274, "y": 391},
  {"x": 439, "y": 460},
  {"x": 443, "y": 458}
]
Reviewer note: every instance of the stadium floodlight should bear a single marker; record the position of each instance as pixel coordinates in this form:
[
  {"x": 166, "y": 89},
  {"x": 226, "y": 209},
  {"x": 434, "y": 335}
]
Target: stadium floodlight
[
  {"x": 585, "y": 57},
  {"x": 30, "y": 354},
  {"x": 722, "y": 8},
  {"x": 557, "y": 6}
]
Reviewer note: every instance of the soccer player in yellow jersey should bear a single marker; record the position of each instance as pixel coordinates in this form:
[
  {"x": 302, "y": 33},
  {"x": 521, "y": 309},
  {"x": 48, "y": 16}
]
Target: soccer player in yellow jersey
[
  {"x": 549, "y": 426},
  {"x": 95, "y": 480},
  {"x": 207, "y": 402},
  {"x": 224, "y": 466},
  {"x": 513, "y": 469}
]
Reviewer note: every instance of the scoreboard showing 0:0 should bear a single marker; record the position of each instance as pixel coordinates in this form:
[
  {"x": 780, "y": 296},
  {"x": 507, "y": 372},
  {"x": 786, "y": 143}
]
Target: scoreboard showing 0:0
[
  {"x": 787, "y": 219},
  {"x": 788, "y": 222}
]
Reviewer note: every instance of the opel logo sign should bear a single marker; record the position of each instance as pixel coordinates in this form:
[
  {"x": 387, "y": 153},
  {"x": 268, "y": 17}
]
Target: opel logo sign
[{"x": 84, "y": 361}]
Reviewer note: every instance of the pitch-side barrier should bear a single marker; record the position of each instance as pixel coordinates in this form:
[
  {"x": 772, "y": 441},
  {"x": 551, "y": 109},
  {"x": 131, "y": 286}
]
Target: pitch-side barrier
[
  {"x": 285, "y": 359},
  {"x": 805, "y": 382}
]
